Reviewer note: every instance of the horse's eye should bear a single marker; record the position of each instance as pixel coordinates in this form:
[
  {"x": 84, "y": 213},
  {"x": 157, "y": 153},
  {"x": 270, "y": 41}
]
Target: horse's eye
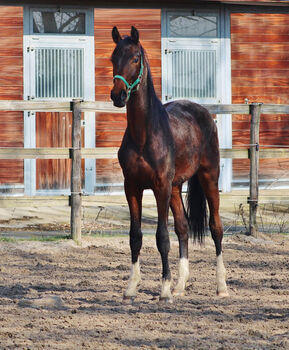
[{"x": 135, "y": 60}]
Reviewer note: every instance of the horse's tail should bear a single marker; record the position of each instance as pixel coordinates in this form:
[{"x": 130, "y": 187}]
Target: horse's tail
[{"x": 196, "y": 209}]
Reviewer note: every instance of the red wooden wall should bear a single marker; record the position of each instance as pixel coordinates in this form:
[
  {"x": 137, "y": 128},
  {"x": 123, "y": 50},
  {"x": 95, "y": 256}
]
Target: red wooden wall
[
  {"x": 11, "y": 88},
  {"x": 260, "y": 72},
  {"x": 110, "y": 127}
]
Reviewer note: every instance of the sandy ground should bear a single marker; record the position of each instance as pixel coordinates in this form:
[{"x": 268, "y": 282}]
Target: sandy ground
[{"x": 56, "y": 295}]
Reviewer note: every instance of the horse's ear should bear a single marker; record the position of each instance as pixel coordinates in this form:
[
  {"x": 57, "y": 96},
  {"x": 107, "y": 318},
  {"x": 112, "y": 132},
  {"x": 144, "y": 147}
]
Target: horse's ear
[
  {"x": 115, "y": 35},
  {"x": 134, "y": 35}
]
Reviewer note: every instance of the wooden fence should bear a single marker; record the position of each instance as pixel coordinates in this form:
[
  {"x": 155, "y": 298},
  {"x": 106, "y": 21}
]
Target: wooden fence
[{"x": 76, "y": 152}]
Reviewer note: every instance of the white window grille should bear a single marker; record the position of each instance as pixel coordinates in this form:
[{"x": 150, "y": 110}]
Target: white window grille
[
  {"x": 194, "y": 74},
  {"x": 59, "y": 72}
]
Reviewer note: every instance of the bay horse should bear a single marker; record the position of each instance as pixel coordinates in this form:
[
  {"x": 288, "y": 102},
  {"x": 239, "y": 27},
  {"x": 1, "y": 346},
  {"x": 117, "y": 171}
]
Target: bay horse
[{"x": 164, "y": 146}]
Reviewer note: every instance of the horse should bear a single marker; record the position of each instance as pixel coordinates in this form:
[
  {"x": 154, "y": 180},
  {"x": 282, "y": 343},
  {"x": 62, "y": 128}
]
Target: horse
[{"x": 164, "y": 146}]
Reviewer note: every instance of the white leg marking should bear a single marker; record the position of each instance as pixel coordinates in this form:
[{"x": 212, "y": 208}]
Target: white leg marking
[
  {"x": 134, "y": 279},
  {"x": 166, "y": 291},
  {"x": 183, "y": 277},
  {"x": 221, "y": 278}
]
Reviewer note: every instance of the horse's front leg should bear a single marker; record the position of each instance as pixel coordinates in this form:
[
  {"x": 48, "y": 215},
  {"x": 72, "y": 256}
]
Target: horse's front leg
[
  {"x": 134, "y": 199},
  {"x": 163, "y": 195}
]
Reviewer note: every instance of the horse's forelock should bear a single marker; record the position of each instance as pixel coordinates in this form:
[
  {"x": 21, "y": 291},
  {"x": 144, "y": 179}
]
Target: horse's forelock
[{"x": 121, "y": 45}]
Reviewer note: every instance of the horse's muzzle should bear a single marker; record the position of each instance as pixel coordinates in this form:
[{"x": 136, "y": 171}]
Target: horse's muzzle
[{"x": 119, "y": 100}]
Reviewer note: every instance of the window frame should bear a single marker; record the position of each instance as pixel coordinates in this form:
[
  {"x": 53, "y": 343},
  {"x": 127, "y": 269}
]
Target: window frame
[
  {"x": 203, "y": 12},
  {"x": 88, "y": 29},
  {"x": 197, "y": 13}
]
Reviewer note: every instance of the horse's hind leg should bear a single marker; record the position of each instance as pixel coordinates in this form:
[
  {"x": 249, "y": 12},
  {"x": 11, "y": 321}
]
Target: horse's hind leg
[
  {"x": 163, "y": 194},
  {"x": 208, "y": 178},
  {"x": 182, "y": 229},
  {"x": 134, "y": 199}
]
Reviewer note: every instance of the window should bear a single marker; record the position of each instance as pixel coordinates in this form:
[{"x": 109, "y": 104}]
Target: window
[
  {"x": 58, "y": 22},
  {"x": 184, "y": 26},
  {"x": 59, "y": 72},
  {"x": 194, "y": 73}
]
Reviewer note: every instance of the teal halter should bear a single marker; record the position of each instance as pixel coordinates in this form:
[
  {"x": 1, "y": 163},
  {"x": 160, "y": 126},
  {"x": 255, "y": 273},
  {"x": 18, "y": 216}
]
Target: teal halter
[{"x": 130, "y": 87}]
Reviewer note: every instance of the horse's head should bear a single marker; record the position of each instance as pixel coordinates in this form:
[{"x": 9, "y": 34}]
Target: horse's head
[{"x": 127, "y": 66}]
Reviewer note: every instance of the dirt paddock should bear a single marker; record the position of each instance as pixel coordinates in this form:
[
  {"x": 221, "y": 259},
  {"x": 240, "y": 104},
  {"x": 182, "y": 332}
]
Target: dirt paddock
[{"x": 55, "y": 295}]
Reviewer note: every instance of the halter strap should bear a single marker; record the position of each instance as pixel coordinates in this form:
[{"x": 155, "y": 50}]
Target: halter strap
[{"x": 130, "y": 87}]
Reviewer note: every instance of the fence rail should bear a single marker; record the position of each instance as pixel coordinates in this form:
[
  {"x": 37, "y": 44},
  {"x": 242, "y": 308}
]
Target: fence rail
[
  {"x": 76, "y": 107},
  {"x": 111, "y": 152}
]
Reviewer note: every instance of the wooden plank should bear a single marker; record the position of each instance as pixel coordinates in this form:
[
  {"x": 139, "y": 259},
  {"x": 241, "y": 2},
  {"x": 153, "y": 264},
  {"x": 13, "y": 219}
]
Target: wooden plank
[
  {"x": 8, "y": 80},
  {"x": 227, "y": 109},
  {"x": 140, "y": 17},
  {"x": 101, "y": 107},
  {"x": 99, "y": 153},
  {"x": 276, "y": 153},
  {"x": 251, "y": 38},
  {"x": 267, "y": 137},
  {"x": 270, "y": 99},
  {"x": 275, "y": 108},
  {"x": 265, "y": 125},
  {"x": 34, "y": 153},
  {"x": 111, "y": 152},
  {"x": 234, "y": 153},
  {"x": 269, "y": 168},
  {"x": 55, "y": 153},
  {"x": 264, "y": 197},
  {"x": 109, "y": 136},
  {"x": 8, "y": 176},
  {"x": 262, "y": 90},
  {"x": 265, "y": 118},
  {"x": 110, "y": 117},
  {"x": 37, "y": 106},
  {"x": 260, "y": 55},
  {"x": 116, "y": 200}
]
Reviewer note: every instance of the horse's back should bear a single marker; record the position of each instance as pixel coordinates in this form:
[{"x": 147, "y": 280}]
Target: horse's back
[
  {"x": 185, "y": 112},
  {"x": 195, "y": 137}
]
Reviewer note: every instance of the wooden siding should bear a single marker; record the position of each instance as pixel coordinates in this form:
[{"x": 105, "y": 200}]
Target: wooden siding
[
  {"x": 148, "y": 22},
  {"x": 110, "y": 127},
  {"x": 54, "y": 130},
  {"x": 260, "y": 71},
  {"x": 11, "y": 88}
]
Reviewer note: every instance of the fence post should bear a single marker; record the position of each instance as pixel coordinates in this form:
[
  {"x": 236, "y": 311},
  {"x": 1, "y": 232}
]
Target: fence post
[
  {"x": 75, "y": 155},
  {"x": 255, "y": 111}
]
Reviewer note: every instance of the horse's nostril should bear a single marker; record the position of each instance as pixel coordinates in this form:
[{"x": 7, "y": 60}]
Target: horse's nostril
[
  {"x": 119, "y": 99},
  {"x": 123, "y": 95}
]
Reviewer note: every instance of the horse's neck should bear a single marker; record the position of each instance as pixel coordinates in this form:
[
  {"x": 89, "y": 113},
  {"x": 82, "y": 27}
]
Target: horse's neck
[{"x": 140, "y": 112}]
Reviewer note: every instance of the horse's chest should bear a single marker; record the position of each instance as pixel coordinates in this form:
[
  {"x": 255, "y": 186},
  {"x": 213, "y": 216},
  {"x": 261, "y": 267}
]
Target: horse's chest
[{"x": 135, "y": 165}]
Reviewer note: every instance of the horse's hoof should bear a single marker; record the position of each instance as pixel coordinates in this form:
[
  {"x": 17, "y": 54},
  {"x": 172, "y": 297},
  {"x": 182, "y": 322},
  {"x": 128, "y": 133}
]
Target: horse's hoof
[
  {"x": 223, "y": 294},
  {"x": 166, "y": 300},
  {"x": 128, "y": 300}
]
